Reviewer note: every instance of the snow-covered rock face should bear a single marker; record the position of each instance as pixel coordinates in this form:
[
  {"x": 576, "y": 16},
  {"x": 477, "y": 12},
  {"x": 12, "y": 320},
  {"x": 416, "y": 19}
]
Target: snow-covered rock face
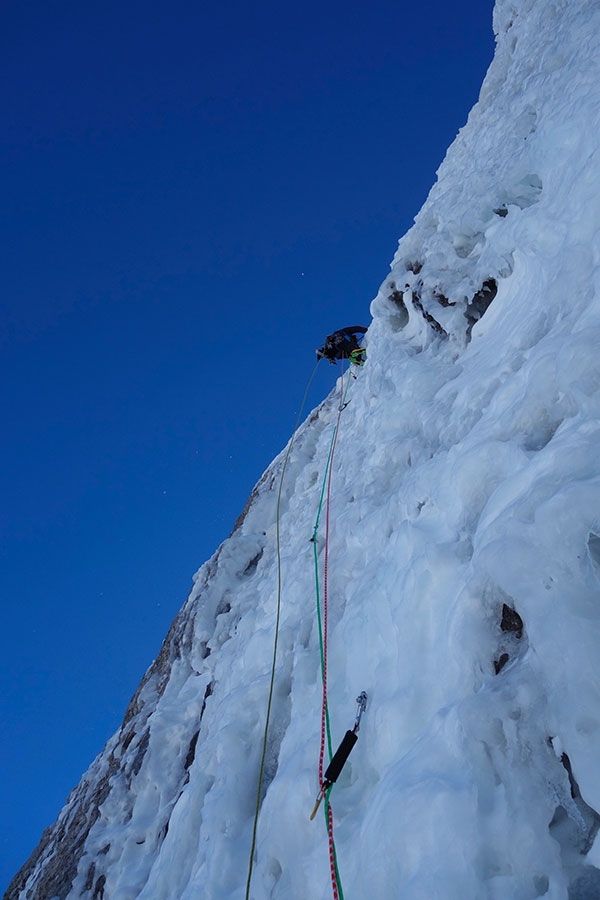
[{"x": 464, "y": 567}]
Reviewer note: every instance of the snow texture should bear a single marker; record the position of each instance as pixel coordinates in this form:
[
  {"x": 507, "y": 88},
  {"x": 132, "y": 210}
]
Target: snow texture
[{"x": 464, "y": 567}]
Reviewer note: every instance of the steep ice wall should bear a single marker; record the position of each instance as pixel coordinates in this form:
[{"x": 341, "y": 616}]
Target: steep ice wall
[{"x": 464, "y": 567}]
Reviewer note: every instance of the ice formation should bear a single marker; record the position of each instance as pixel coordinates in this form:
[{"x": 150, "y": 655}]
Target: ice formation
[{"x": 464, "y": 567}]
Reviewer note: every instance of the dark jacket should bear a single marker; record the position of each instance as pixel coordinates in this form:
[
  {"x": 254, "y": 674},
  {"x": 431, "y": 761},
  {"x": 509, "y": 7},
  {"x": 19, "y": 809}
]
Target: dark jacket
[{"x": 340, "y": 344}]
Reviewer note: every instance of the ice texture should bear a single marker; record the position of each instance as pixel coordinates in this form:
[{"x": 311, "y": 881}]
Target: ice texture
[{"x": 464, "y": 567}]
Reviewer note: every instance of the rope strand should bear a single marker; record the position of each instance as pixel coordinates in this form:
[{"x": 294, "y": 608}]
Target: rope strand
[
  {"x": 326, "y": 575},
  {"x": 322, "y": 618},
  {"x": 276, "y": 639},
  {"x": 333, "y": 866}
]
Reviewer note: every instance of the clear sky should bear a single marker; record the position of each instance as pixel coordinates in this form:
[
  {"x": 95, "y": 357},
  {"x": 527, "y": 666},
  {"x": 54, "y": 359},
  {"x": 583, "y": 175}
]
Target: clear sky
[{"x": 193, "y": 196}]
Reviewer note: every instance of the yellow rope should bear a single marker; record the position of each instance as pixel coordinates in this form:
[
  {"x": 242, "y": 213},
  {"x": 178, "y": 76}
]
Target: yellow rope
[{"x": 276, "y": 640}]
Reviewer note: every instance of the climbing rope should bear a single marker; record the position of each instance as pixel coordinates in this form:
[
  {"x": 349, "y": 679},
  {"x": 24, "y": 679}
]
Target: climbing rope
[
  {"x": 276, "y": 638},
  {"x": 337, "y": 761},
  {"x": 322, "y": 617},
  {"x": 325, "y": 712},
  {"x": 336, "y": 884}
]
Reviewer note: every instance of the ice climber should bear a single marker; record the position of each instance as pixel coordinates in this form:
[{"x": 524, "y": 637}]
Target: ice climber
[{"x": 343, "y": 344}]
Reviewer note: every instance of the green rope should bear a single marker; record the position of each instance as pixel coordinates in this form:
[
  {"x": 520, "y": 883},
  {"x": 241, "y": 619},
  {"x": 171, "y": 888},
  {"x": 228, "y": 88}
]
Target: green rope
[
  {"x": 319, "y": 618},
  {"x": 276, "y": 640},
  {"x": 317, "y": 585},
  {"x": 316, "y": 559}
]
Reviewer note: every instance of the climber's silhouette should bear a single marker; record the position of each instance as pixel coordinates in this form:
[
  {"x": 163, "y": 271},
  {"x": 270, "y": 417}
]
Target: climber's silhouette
[{"x": 343, "y": 344}]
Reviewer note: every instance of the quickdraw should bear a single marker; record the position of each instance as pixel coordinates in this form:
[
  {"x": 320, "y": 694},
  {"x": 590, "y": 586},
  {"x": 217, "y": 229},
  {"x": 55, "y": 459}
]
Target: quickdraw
[{"x": 342, "y": 753}]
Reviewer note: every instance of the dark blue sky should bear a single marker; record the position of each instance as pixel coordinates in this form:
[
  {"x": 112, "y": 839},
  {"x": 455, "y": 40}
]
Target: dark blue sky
[{"x": 192, "y": 198}]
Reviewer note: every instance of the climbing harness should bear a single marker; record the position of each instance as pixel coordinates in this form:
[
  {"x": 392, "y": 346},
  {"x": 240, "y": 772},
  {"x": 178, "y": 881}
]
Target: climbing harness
[
  {"x": 358, "y": 356},
  {"x": 276, "y": 638},
  {"x": 336, "y": 762}
]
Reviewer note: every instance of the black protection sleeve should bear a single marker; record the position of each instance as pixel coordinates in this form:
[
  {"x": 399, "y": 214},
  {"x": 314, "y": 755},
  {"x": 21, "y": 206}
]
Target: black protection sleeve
[{"x": 340, "y": 756}]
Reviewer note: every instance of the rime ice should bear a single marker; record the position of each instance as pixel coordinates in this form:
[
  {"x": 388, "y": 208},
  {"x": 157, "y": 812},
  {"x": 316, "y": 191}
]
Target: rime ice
[{"x": 464, "y": 567}]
